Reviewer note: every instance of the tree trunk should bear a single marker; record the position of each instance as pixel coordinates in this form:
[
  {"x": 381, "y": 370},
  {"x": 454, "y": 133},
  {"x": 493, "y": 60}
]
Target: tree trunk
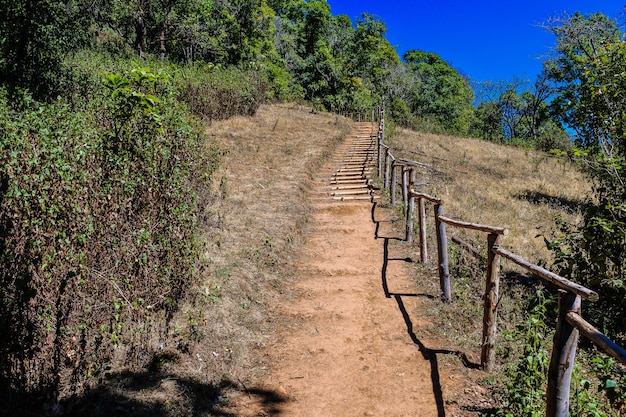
[{"x": 141, "y": 34}]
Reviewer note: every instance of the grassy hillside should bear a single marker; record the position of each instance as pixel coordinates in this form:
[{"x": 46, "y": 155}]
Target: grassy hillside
[{"x": 487, "y": 183}]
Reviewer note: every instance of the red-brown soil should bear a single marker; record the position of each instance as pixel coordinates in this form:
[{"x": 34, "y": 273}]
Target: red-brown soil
[{"x": 349, "y": 343}]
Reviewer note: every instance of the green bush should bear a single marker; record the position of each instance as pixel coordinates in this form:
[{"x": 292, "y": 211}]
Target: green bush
[
  {"x": 527, "y": 374},
  {"x": 219, "y": 93},
  {"x": 98, "y": 213}
]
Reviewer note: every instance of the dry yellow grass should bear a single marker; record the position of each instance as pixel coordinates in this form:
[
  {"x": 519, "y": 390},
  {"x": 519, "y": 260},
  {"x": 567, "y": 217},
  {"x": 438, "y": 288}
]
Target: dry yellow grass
[{"x": 496, "y": 185}]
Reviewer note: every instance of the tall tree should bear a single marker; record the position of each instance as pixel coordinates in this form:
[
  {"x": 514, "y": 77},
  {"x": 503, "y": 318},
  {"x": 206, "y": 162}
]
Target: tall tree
[
  {"x": 442, "y": 97},
  {"x": 580, "y": 39},
  {"x": 592, "y": 85},
  {"x": 34, "y": 36}
]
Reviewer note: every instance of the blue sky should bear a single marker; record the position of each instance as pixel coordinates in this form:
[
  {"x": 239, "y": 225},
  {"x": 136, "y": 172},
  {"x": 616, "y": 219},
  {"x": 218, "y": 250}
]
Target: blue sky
[{"x": 485, "y": 40}]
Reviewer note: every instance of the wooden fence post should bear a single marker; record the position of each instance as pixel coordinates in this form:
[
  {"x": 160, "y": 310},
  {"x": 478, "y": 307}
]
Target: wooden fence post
[
  {"x": 442, "y": 250},
  {"x": 388, "y": 159},
  {"x": 490, "y": 312},
  {"x": 405, "y": 187},
  {"x": 392, "y": 188},
  {"x": 563, "y": 356},
  {"x": 421, "y": 203},
  {"x": 409, "y": 218},
  {"x": 380, "y": 152}
]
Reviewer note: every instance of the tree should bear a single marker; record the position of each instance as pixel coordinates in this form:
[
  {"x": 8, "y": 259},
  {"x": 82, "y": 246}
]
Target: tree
[
  {"x": 34, "y": 36},
  {"x": 580, "y": 39},
  {"x": 590, "y": 73},
  {"x": 441, "y": 95}
]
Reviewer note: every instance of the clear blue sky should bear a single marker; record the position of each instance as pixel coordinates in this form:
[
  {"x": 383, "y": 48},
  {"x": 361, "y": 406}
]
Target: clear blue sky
[{"x": 485, "y": 40}]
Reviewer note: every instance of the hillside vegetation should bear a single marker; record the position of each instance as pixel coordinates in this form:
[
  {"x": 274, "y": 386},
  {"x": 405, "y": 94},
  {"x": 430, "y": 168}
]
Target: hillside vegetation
[{"x": 115, "y": 166}]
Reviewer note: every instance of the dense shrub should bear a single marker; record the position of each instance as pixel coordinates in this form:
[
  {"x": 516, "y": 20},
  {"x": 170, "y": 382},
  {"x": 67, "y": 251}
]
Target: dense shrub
[
  {"x": 217, "y": 93},
  {"x": 98, "y": 216}
]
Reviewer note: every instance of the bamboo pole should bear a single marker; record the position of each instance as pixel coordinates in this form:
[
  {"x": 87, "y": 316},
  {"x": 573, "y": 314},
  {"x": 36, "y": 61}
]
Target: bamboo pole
[
  {"x": 422, "y": 224},
  {"x": 490, "y": 311},
  {"x": 557, "y": 280},
  {"x": 563, "y": 356},
  {"x": 442, "y": 250}
]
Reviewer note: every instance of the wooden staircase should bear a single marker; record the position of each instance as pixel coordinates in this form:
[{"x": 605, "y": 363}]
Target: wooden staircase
[{"x": 350, "y": 174}]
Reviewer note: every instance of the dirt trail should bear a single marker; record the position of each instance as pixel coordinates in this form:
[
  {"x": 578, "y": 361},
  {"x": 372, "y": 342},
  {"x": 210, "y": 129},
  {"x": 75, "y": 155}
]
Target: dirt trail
[{"x": 347, "y": 347}]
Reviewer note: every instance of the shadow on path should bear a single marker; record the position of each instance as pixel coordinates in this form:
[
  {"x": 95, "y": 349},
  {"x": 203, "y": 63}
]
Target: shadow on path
[{"x": 428, "y": 353}]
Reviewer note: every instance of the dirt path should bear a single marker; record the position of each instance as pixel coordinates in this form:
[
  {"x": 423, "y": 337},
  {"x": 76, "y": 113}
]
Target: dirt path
[{"x": 347, "y": 347}]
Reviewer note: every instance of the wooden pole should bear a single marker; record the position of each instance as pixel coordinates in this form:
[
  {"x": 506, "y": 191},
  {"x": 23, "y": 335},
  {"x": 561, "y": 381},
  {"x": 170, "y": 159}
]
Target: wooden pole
[
  {"x": 422, "y": 223},
  {"x": 555, "y": 279},
  {"x": 392, "y": 190},
  {"x": 388, "y": 159},
  {"x": 380, "y": 151},
  {"x": 409, "y": 219},
  {"x": 467, "y": 246},
  {"x": 490, "y": 312},
  {"x": 597, "y": 337},
  {"x": 442, "y": 250},
  {"x": 563, "y": 356},
  {"x": 405, "y": 187}
]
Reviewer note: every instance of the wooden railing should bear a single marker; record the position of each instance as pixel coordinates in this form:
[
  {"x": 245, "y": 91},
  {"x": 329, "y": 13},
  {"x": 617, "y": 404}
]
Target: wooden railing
[{"x": 569, "y": 320}]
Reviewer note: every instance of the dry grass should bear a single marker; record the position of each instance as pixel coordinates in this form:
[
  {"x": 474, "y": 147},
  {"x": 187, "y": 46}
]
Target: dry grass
[
  {"x": 258, "y": 218},
  {"x": 487, "y": 183}
]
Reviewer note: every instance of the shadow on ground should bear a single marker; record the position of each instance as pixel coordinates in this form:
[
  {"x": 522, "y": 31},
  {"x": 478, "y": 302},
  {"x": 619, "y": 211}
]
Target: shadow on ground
[
  {"x": 557, "y": 203},
  {"x": 428, "y": 353},
  {"x": 143, "y": 394}
]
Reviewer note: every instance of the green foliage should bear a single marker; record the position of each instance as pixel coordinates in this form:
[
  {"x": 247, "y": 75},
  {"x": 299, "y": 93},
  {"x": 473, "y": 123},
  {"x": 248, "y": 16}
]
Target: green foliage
[
  {"x": 593, "y": 254},
  {"x": 527, "y": 374},
  {"x": 441, "y": 98},
  {"x": 216, "y": 93},
  {"x": 34, "y": 38},
  {"x": 593, "y": 251},
  {"x": 99, "y": 219},
  {"x": 580, "y": 40},
  {"x": 598, "y": 388}
]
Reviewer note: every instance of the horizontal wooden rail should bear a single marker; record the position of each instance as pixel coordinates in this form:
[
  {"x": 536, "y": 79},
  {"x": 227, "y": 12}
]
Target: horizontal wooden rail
[
  {"x": 597, "y": 337},
  {"x": 432, "y": 199},
  {"x": 467, "y": 246},
  {"x": 555, "y": 279},
  {"x": 475, "y": 226},
  {"x": 407, "y": 162}
]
